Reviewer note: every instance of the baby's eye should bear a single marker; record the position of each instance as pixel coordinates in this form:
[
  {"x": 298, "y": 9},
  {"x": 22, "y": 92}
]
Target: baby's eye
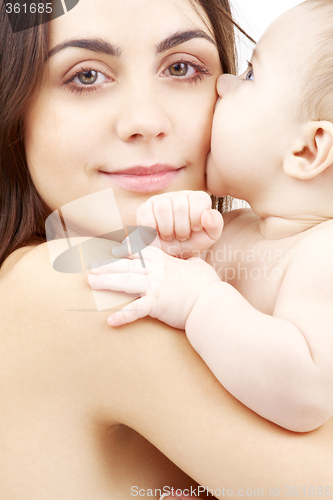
[{"x": 250, "y": 75}]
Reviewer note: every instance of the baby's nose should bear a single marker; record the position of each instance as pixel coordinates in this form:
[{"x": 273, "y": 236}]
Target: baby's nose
[{"x": 224, "y": 83}]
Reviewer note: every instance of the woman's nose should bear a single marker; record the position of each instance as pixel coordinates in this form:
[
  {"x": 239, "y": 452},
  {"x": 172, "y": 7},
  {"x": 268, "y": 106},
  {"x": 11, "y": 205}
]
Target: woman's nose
[
  {"x": 224, "y": 83},
  {"x": 142, "y": 117}
]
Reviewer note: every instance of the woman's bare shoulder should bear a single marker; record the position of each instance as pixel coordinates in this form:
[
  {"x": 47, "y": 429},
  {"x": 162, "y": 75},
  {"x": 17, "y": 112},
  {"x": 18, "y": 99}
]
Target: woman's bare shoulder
[
  {"x": 50, "y": 324},
  {"x": 53, "y": 316},
  {"x": 29, "y": 273}
]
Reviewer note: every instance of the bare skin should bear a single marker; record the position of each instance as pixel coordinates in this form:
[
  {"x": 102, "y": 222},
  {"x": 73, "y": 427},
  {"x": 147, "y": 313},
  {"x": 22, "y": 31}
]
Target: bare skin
[
  {"x": 58, "y": 439},
  {"x": 71, "y": 386},
  {"x": 255, "y": 260},
  {"x": 263, "y": 324},
  {"x": 70, "y": 382}
]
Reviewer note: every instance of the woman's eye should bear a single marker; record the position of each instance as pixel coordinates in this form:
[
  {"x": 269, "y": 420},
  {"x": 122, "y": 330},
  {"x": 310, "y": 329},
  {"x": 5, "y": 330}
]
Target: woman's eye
[
  {"x": 186, "y": 71},
  {"x": 181, "y": 69},
  {"x": 89, "y": 77},
  {"x": 250, "y": 75},
  {"x": 87, "y": 80}
]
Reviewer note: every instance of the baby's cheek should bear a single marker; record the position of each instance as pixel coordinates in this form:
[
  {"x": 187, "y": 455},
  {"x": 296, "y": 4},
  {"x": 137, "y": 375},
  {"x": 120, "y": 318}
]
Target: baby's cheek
[
  {"x": 213, "y": 176},
  {"x": 218, "y": 143},
  {"x": 219, "y": 127}
]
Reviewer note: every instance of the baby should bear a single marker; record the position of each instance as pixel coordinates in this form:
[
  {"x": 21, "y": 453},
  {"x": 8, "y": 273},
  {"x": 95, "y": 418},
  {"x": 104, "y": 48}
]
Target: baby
[{"x": 259, "y": 308}]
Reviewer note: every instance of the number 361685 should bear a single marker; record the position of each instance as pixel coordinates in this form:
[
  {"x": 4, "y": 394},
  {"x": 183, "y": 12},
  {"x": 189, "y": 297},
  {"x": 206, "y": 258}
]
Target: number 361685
[{"x": 16, "y": 8}]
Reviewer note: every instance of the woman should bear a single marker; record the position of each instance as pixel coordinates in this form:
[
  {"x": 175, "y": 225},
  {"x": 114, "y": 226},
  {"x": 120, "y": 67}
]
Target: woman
[{"x": 127, "y": 86}]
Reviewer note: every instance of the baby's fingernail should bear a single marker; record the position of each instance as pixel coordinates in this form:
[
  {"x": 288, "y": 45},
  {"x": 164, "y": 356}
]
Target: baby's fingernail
[
  {"x": 167, "y": 238},
  {"x": 91, "y": 280},
  {"x": 182, "y": 239},
  {"x": 196, "y": 228},
  {"x": 119, "y": 251},
  {"x": 210, "y": 216},
  {"x": 111, "y": 320}
]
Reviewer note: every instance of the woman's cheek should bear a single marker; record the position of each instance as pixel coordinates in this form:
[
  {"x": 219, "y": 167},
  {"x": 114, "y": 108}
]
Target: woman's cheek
[{"x": 203, "y": 123}]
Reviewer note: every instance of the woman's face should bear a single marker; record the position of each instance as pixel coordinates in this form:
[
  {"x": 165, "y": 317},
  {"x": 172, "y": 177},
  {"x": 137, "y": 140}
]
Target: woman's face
[{"x": 127, "y": 102}]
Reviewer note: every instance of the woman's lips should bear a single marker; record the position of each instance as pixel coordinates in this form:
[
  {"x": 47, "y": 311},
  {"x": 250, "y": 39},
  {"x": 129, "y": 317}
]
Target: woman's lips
[{"x": 145, "y": 179}]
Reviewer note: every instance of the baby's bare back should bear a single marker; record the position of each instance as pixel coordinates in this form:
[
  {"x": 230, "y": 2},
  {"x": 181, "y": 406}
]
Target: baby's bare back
[{"x": 256, "y": 266}]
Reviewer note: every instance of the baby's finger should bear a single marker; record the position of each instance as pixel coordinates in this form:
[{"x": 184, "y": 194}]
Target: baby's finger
[
  {"x": 181, "y": 213},
  {"x": 136, "y": 310},
  {"x": 150, "y": 253},
  {"x": 163, "y": 212},
  {"x": 199, "y": 201},
  {"x": 120, "y": 282},
  {"x": 145, "y": 215},
  {"x": 212, "y": 222}
]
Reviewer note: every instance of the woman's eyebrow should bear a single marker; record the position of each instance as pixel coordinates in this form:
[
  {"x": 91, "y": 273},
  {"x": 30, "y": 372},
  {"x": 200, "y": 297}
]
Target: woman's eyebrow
[
  {"x": 104, "y": 47},
  {"x": 94, "y": 45},
  {"x": 181, "y": 37}
]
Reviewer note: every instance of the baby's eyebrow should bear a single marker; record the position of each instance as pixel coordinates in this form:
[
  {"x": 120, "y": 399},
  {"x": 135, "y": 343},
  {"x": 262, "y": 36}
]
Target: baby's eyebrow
[
  {"x": 255, "y": 54},
  {"x": 181, "y": 37}
]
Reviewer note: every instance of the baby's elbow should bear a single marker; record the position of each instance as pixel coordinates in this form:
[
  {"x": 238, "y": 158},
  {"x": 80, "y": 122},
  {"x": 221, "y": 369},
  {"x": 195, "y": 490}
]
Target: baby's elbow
[{"x": 310, "y": 412}]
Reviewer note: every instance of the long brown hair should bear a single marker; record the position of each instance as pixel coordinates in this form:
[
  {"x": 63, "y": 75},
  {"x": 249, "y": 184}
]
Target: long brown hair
[{"x": 22, "y": 59}]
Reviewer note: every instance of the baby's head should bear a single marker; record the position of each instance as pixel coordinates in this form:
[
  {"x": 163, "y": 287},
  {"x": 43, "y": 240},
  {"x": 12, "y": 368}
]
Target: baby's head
[{"x": 274, "y": 123}]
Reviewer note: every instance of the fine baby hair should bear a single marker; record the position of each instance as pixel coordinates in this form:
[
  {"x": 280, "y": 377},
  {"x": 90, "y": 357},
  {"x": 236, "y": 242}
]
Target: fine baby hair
[{"x": 317, "y": 77}]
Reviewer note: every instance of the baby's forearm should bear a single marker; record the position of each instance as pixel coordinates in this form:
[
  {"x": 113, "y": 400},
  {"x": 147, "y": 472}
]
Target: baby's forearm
[{"x": 262, "y": 360}]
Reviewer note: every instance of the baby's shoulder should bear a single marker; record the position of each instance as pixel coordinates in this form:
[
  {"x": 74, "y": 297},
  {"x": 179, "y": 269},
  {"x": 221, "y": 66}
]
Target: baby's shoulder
[
  {"x": 312, "y": 255},
  {"x": 318, "y": 240}
]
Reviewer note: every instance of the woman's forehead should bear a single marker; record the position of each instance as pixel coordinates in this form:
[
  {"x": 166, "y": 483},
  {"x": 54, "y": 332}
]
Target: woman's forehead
[{"x": 128, "y": 20}]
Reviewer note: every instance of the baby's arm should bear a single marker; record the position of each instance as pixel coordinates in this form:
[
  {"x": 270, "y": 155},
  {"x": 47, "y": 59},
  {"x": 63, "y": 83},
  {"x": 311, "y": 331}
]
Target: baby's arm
[{"x": 280, "y": 366}]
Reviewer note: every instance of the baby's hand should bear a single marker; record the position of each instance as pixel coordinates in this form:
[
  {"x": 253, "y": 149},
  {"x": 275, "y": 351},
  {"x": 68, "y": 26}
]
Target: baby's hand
[
  {"x": 169, "y": 287},
  {"x": 185, "y": 222}
]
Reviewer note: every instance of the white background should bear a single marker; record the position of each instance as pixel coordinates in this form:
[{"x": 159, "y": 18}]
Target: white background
[{"x": 255, "y": 16}]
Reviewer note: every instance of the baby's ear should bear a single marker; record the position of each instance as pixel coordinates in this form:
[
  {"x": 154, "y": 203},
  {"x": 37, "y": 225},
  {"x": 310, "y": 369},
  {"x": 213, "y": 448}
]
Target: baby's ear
[{"x": 313, "y": 153}]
